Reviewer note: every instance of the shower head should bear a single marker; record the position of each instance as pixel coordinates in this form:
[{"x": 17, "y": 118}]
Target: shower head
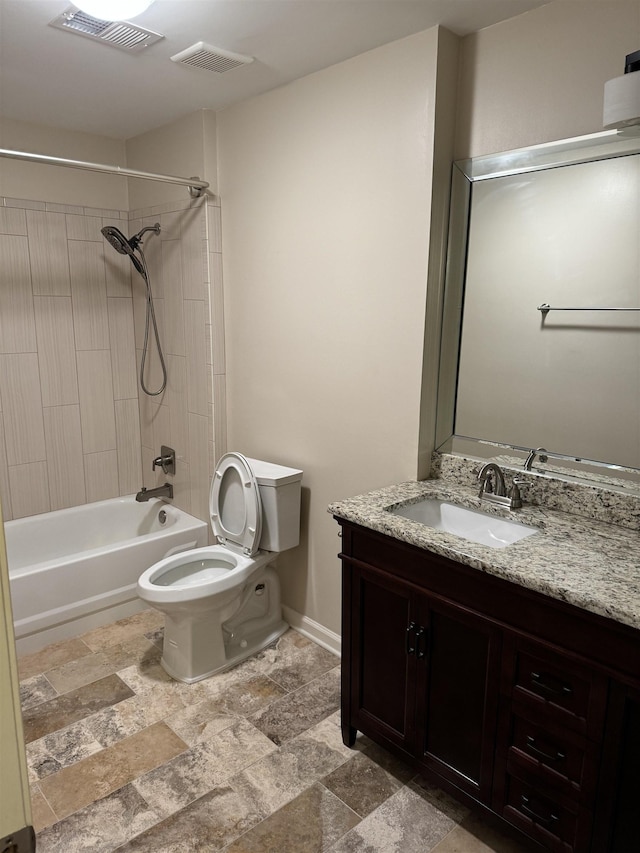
[
  {"x": 117, "y": 239},
  {"x": 127, "y": 246}
]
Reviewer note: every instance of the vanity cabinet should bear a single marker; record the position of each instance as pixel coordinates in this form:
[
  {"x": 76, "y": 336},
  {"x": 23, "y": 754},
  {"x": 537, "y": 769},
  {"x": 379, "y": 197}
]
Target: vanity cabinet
[{"x": 519, "y": 704}]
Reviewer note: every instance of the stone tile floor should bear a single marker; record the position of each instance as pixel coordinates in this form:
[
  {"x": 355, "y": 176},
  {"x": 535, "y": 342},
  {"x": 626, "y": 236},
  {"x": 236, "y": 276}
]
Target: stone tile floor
[{"x": 250, "y": 761}]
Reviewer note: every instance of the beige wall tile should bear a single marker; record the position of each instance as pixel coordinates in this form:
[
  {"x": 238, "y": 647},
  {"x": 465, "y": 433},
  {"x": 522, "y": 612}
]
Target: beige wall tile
[
  {"x": 196, "y": 352},
  {"x": 182, "y": 486},
  {"x": 101, "y": 475},
  {"x": 214, "y": 228},
  {"x": 22, "y": 408},
  {"x": 57, "y": 355},
  {"x": 220, "y": 413},
  {"x": 48, "y": 253},
  {"x": 24, "y": 203},
  {"x": 17, "y": 326},
  {"x": 199, "y": 465},
  {"x": 64, "y": 456},
  {"x": 128, "y": 446},
  {"x": 217, "y": 313},
  {"x": 29, "y": 489},
  {"x": 84, "y": 227},
  {"x": 170, "y": 225},
  {"x": 176, "y": 399},
  {"x": 123, "y": 348},
  {"x": 12, "y": 221},
  {"x": 88, "y": 288},
  {"x": 5, "y": 491},
  {"x": 193, "y": 253},
  {"x": 96, "y": 400},
  {"x": 174, "y": 332}
]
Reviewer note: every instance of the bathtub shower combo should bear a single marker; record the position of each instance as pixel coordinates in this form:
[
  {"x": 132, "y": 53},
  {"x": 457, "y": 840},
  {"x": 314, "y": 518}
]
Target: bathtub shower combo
[{"x": 75, "y": 569}]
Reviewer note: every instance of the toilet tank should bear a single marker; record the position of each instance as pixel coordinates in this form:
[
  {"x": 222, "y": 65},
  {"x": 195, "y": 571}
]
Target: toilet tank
[{"x": 280, "y": 496}]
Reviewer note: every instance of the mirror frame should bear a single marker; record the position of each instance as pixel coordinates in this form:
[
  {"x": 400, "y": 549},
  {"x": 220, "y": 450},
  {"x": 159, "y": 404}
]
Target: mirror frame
[{"x": 465, "y": 173}]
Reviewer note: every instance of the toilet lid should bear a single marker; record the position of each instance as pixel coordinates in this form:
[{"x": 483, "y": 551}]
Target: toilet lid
[{"x": 234, "y": 505}]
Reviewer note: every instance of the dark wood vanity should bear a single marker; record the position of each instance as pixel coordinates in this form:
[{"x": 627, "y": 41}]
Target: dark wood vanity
[{"x": 518, "y": 704}]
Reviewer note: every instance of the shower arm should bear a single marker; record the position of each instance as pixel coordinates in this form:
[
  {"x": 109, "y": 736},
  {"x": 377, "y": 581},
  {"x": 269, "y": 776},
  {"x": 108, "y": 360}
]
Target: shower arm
[{"x": 195, "y": 185}]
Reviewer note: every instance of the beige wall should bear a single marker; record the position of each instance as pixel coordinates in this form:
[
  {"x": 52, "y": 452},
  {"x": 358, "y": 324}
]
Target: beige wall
[
  {"x": 541, "y": 76},
  {"x": 186, "y": 147},
  {"x": 35, "y": 181},
  {"x": 326, "y": 186}
]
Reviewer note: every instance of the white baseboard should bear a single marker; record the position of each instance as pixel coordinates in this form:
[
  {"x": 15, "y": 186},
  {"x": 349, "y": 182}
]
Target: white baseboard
[{"x": 313, "y": 630}]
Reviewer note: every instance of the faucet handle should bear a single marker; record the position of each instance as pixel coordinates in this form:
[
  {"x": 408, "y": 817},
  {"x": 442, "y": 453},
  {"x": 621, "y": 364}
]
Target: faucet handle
[
  {"x": 166, "y": 460},
  {"x": 516, "y": 498}
]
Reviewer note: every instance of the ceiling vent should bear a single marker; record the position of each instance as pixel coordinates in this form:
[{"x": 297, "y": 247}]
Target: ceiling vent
[
  {"x": 121, "y": 34},
  {"x": 202, "y": 55}
]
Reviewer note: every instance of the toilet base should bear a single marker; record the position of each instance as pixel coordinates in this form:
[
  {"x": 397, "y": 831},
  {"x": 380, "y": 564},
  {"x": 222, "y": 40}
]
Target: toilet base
[
  {"x": 197, "y": 646},
  {"x": 229, "y": 662}
]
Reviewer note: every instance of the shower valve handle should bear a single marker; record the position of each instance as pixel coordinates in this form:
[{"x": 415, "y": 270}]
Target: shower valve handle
[{"x": 166, "y": 460}]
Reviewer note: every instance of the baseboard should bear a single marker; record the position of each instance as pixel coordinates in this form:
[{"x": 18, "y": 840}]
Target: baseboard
[{"x": 313, "y": 630}]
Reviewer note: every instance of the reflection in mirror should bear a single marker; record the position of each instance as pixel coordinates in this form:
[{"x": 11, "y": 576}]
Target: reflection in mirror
[{"x": 554, "y": 225}]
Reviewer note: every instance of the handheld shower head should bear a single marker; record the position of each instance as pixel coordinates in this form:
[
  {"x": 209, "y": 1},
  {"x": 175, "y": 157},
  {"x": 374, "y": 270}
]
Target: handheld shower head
[
  {"x": 127, "y": 246},
  {"x": 117, "y": 239}
]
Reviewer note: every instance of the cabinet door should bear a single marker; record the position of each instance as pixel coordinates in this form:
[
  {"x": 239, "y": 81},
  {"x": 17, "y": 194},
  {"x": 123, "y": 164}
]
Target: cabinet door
[
  {"x": 458, "y": 669},
  {"x": 619, "y": 793},
  {"x": 382, "y": 669}
]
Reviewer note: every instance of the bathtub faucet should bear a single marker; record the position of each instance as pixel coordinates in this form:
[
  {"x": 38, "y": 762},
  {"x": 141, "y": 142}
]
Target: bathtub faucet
[{"x": 165, "y": 491}]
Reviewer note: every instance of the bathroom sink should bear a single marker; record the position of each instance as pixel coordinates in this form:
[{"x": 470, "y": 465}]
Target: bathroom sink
[{"x": 471, "y": 524}]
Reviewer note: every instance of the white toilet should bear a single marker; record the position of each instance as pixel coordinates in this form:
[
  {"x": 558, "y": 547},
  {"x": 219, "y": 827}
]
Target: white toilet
[{"x": 222, "y": 603}]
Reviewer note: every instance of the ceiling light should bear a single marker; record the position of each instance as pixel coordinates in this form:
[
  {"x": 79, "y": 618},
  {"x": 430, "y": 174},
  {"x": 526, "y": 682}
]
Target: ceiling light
[{"x": 114, "y": 10}]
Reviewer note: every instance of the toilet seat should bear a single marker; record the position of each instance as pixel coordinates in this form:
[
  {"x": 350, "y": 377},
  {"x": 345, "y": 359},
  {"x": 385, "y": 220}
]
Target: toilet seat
[
  {"x": 197, "y": 574},
  {"x": 235, "y": 508}
]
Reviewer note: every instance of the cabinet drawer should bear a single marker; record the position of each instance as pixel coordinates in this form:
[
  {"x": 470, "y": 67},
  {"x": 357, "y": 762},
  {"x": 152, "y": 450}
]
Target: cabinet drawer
[
  {"x": 543, "y": 816},
  {"x": 558, "y": 757},
  {"x": 557, "y": 688}
]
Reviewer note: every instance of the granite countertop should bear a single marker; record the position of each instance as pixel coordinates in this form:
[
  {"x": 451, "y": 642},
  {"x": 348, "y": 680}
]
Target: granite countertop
[{"x": 585, "y": 562}]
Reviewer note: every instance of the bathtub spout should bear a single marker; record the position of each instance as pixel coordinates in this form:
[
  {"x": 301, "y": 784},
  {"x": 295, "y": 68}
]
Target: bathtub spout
[{"x": 165, "y": 491}]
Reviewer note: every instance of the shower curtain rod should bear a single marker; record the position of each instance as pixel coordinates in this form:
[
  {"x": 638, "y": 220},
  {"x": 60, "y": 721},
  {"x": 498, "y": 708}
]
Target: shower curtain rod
[{"x": 196, "y": 186}]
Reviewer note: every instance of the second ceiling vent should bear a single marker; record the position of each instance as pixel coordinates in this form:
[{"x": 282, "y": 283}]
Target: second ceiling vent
[{"x": 203, "y": 55}]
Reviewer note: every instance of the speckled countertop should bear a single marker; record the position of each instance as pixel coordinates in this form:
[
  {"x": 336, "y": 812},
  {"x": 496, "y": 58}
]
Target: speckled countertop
[{"x": 579, "y": 559}]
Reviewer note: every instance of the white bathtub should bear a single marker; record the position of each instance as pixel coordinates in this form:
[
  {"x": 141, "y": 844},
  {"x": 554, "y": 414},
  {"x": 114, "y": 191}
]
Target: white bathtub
[{"x": 76, "y": 569}]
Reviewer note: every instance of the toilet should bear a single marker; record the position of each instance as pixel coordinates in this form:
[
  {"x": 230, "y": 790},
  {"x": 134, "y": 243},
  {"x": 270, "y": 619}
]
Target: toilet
[{"x": 222, "y": 603}]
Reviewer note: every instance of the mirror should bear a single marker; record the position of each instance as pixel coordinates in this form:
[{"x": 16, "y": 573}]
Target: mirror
[{"x": 555, "y": 225}]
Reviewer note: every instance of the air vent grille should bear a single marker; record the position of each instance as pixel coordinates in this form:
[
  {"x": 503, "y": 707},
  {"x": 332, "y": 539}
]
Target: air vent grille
[
  {"x": 123, "y": 35},
  {"x": 202, "y": 55}
]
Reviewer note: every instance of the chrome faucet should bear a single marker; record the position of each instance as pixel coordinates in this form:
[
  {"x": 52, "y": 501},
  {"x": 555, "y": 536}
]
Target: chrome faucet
[
  {"x": 487, "y": 486},
  {"x": 165, "y": 491},
  {"x": 532, "y": 455},
  {"x": 496, "y": 493}
]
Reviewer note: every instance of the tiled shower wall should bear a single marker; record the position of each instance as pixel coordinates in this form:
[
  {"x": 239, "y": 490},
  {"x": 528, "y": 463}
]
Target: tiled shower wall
[
  {"x": 73, "y": 427},
  {"x": 185, "y": 266}
]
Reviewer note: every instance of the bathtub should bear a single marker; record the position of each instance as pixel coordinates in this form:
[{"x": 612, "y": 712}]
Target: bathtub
[{"x": 76, "y": 569}]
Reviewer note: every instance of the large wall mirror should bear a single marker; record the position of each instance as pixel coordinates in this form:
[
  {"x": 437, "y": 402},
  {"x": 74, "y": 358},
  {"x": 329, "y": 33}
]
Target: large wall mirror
[{"x": 555, "y": 225}]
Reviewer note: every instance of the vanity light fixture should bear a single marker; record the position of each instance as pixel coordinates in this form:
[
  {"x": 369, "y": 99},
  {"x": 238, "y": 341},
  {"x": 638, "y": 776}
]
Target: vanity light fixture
[
  {"x": 622, "y": 95},
  {"x": 114, "y": 10}
]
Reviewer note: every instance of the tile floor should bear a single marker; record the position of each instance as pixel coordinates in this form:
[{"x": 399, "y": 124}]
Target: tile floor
[{"x": 249, "y": 761}]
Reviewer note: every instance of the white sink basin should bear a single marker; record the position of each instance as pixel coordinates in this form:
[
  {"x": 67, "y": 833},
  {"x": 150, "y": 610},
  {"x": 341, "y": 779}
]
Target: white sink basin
[{"x": 471, "y": 524}]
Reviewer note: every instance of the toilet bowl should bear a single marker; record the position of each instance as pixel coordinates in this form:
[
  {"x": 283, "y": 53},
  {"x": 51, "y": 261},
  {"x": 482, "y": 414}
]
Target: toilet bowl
[{"x": 221, "y": 603}]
